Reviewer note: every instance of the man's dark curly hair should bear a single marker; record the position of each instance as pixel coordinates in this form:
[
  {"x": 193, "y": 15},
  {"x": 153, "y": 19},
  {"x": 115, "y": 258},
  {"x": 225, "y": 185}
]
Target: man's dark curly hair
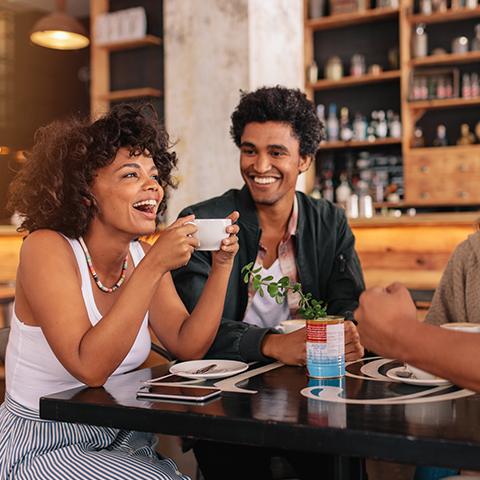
[
  {"x": 53, "y": 189},
  {"x": 284, "y": 105}
]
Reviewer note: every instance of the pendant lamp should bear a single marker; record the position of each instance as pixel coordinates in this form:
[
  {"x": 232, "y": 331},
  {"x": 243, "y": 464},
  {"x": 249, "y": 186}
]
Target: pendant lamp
[{"x": 59, "y": 30}]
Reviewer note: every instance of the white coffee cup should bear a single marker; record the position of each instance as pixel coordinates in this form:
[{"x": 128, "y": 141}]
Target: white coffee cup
[
  {"x": 211, "y": 232},
  {"x": 289, "y": 326},
  {"x": 462, "y": 326}
]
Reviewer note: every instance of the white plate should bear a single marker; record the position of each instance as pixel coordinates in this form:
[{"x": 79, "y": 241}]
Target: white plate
[
  {"x": 392, "y": 373},
  {"x": 224, "y": 368}
]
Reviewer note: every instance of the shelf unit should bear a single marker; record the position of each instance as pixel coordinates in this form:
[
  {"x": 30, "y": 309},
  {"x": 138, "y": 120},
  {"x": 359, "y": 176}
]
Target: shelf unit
[
  {"x": 421, "y": 178},
  {"x": 101, "y": 95}
]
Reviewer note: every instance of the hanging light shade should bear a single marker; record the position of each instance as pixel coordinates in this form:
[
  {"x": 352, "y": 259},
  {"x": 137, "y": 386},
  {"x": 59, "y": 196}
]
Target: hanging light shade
[{"x": 59, "y": 30}]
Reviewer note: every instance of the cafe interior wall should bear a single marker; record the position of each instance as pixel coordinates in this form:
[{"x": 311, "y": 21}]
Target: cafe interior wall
[
  {"x": 213, "y": 50},
  {"x": 44, "y": 84}
]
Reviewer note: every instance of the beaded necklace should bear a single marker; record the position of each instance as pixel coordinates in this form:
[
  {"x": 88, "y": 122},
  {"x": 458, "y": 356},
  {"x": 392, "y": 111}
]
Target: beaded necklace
[{"x": 94, "y": 273}]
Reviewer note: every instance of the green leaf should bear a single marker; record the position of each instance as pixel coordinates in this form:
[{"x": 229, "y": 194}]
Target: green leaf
[
  {"x": 279, "y": 299},
  {"x": 272, "y": 289},
  {"x": 247, "y": 267},
  {"x": 268, "y": 279},
  {"x": 246, "y": 277},
  {"x": 261, "y": 292},
  {"x": 257, "y": 270},
  {"x": 256, "y": 283}
]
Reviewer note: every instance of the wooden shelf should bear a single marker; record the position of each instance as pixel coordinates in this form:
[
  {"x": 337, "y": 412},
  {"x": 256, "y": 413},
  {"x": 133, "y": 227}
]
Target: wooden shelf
[
  {"x": 352, "y": 81},
  {"x": 354, "y": 18},
  {"x": 357, "y": 144},
  {"x": 146, "y": 41},
  {"x": 448, "y": 16},
  {"x": 446, "y": 59},
  {"x": 134, "y": 93},
  {"x": 444, "y": 103}
]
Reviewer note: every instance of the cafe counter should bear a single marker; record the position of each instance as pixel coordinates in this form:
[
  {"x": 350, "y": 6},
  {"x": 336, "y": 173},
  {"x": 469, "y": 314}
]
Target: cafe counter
[{"x": 412, "y": 250}]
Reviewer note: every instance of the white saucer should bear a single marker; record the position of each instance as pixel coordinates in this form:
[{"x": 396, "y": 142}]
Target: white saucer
[
  {"x": 224, "y": 368},
  {"x": 392, "y": 373}
]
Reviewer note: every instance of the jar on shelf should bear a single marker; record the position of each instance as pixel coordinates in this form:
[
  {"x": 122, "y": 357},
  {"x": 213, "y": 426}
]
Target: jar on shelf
[
  {"x": 316, "y": 8},
  {"x": 334, "y": 68},
  {"x": 460, "y": 45},
  {"x": 357, "y": 66},
  {"x": 312, "y": 72},
  {"x": 419, "y": 41}
]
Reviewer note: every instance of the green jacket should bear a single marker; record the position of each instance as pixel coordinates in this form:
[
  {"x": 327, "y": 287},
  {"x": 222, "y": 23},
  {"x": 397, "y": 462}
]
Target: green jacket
[{"x": 327, "y": 262}]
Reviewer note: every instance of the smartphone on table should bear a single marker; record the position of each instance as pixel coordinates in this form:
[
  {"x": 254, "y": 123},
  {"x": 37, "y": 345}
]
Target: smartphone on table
[{"x": 189, "y": 393}]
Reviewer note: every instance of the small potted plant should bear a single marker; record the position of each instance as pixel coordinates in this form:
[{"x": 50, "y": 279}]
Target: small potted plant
[
  {"x": 310, "y": 309},
  {"x": 325, "y": 333}
]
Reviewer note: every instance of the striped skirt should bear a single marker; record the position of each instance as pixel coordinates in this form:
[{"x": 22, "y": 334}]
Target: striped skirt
[{"x": 31, "y": 448}]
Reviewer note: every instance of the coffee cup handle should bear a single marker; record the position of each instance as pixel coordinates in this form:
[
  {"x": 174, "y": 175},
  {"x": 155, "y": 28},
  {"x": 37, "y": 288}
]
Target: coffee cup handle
[
  {"x": 193, "y": 223},
  {"x": 280, "y": 328}
]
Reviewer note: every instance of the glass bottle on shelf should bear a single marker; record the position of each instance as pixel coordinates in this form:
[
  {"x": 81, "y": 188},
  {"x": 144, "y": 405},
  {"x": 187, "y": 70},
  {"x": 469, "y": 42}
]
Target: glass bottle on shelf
[
  {"x": 346, "y": 131},
  {"x": 382, "y": 128},
  {"x": 328, "y": 192},
  {"x": 316, "y": 8},
  {"x": 474, "y": 86},
  {"x": 466, "y": 86},
  {"x": 441, "y": 138},
  {"x": 321, "y": 113},
  {"x": 332, "y": 123},
  {"x": 423, "y": 88},
  {"x": 359, "y": 127},
  {"x": 440, "y": 89},
  {"x": 343, "y": 191},
  {"x": 396, "y": 127},
  {"x": 357, "y": 66},
  {"x": 418, "y": 140},
  {"x": 466, "y": 136},
  {"x": 426, "y": 7},
  {"x": 312, "y": 72},
  {"x": 420, "y": 41},
  {"x": 475, "y": 45},
  {"x": 316, "y": 192},
  {"x": 448, "y": 88}
]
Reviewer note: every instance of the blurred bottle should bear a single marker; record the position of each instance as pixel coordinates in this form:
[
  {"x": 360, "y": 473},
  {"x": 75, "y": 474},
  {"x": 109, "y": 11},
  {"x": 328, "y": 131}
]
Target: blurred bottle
[
  {"x": 448, "y": 88},
  {"x": 418, "y": 140},
  {"x": 426, "y": 7},
  {"x": 343, "y": 191},
  {"x": 475, "y": 45},
  {"x": 475, "y": 90},
  {"x": 316, "y": 8},
  {"x": 466, "y": 136},
  {"x": 419, "y": 41},
  {"x": 466, "y": 86},
  {"x": 332, "y": 124},
  {"x": 316, "y": 192},
  {"x": 328, "y": 192},
  {"x": 441, "y": 90},
  {"x": 346, "y": 131},
  {"x": 312, "y": 72},
  {"x": 382, "y": 127},
  {"x": 321, "y": 113},
  {"x": 357, "y": 65},
  {"x": 359, "y": 127},
  {"x": 396, "y": 127},
  {"x": 441, "y": 138}
]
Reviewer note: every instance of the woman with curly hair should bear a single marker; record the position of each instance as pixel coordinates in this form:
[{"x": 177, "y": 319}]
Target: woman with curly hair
[{"x": 87, "y": 290}]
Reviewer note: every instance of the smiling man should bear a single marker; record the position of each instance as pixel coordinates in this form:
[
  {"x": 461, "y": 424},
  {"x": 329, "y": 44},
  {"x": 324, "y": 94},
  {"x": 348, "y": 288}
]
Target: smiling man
[{"x": 287, "y": 233}]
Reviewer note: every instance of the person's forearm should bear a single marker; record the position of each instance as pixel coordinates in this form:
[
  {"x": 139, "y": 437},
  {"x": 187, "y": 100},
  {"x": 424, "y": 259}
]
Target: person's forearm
[
  {"x": 198, "y": 331},
  {"x": 451, "y": 355}
]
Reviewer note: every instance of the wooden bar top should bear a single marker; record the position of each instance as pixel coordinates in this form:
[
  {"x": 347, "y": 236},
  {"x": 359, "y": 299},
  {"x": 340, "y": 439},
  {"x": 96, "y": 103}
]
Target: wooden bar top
[{"x": 449, "y": 218}]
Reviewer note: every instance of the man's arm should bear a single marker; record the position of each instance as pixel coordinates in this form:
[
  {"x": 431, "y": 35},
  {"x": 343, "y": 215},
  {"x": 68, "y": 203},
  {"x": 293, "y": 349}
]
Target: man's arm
[{"x": 388, "y": 325}]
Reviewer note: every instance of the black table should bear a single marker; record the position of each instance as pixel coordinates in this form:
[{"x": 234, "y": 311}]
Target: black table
[{"x": 375, "y": 417}]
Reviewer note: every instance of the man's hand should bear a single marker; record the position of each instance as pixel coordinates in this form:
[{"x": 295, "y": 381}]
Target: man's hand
[
  {"x": 291, "y": 348},
  {"x": 288, "y": 348},
  {"x": 381, "y": 313},
  {"x": 353, "y": 348}
]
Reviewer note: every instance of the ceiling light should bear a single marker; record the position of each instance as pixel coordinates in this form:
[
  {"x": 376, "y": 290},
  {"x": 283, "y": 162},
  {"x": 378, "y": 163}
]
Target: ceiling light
[{"x": 59, "y": 30}]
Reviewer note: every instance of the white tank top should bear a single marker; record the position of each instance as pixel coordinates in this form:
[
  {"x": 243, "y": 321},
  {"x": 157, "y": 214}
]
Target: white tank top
[
  {"x": 31, "y": 368},
  {"x": 265, "y": 311}
]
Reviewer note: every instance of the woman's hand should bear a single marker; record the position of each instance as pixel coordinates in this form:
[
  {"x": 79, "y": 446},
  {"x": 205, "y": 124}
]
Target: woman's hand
[
  {"x": 175, "y": 245},
  {"x": 229, "y": 246}
]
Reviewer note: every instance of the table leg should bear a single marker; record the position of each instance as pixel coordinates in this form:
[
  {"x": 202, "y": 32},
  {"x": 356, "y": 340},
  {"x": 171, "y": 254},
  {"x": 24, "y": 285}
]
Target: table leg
[{"x": 349, "y": 468}]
